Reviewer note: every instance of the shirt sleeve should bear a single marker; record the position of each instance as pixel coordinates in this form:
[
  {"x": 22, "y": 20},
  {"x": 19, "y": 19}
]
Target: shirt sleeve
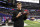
[{"x": 24, "y": 16}]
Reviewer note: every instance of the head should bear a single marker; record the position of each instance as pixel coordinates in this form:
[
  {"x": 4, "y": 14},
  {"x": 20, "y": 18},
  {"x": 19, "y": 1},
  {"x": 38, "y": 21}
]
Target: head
[{"x": 19, "y": 5}]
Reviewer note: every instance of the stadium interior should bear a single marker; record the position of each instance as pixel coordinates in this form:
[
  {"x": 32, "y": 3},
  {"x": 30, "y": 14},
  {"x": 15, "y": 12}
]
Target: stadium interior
[{"x": 8, "y": 6}]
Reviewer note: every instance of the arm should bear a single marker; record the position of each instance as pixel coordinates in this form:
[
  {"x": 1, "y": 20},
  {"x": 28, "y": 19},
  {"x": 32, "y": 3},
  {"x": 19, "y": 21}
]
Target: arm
[
  {"x": 25, "y": 15},
  {"x": 19, "y": 14},
  {"x": 14, "y": 16}
]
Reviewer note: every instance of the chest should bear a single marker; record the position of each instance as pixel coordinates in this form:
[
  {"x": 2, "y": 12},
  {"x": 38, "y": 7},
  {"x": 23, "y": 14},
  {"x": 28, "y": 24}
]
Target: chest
[{"x": 18, "y": 11}]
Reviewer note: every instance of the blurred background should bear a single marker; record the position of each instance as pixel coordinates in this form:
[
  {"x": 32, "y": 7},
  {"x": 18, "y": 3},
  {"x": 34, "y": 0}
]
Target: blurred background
[{"x": 8, "y": 6}]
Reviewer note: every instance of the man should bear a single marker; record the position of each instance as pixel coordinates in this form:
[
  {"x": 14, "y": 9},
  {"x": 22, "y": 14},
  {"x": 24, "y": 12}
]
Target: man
[{"x": 18, "y": 16}]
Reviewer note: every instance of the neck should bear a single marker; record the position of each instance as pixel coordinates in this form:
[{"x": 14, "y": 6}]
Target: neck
[{"x": 19, "y": 8}]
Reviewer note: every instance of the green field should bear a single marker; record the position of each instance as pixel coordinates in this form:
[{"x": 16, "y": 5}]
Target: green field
[{"x": 32, "y": 23}]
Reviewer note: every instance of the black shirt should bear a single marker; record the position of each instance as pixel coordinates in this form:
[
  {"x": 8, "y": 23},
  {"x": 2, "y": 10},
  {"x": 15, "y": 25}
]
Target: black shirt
[{"x": 15, "y": 13}]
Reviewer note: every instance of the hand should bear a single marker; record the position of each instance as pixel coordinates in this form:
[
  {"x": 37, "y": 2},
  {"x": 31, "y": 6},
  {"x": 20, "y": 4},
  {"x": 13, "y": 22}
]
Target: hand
[{"x": 19, "y": 14}]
